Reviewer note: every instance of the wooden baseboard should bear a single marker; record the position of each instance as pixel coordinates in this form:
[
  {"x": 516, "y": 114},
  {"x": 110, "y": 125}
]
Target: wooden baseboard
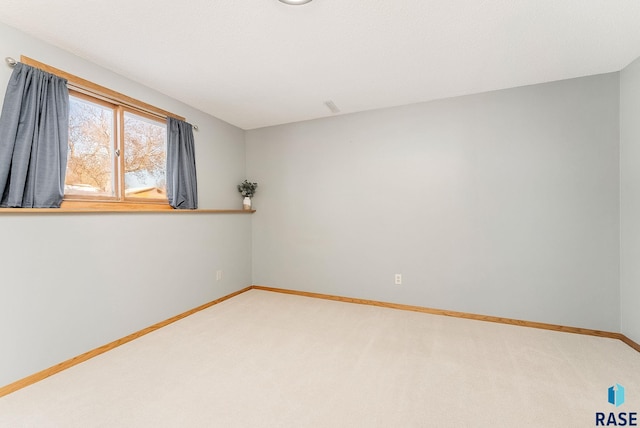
[
  {"x": 501, "y": 320},
  {"x": 12, "y": 387},
  {"x": 629, "y": 342}
]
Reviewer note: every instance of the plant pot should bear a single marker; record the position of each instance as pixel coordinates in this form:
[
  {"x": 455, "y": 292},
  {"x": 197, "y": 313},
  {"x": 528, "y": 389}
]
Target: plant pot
[{"x": 246, "y": 203}]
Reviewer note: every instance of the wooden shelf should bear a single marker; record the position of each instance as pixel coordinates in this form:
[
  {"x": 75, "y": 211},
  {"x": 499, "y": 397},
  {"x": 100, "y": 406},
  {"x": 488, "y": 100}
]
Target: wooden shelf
[
  {"x": 103, "y": 207},
  {"x": 122, "y": 211}
]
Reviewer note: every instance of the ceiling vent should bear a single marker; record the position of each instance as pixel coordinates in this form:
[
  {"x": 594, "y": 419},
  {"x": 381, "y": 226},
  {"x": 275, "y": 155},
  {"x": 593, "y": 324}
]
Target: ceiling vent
[
  {"x": 295, "y": 2},
  {"x": 332, "y": 106}
]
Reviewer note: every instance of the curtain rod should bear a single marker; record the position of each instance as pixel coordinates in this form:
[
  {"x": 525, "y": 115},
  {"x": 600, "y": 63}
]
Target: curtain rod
[{"x": 12, "y": 62}]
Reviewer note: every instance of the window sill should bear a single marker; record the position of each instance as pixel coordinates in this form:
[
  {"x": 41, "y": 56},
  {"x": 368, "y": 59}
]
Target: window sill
[
  {"x": 97, "y": 210},
  {"x": 104, "y": 211},
  {"x": 104, "y": 208}
]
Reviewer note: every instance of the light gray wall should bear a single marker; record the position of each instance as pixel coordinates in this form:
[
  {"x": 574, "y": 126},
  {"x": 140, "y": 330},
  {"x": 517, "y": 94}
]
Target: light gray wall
[
  {"x": 70, "y": 283},
  {"x": 504, "y": 203},
  {"x": 630, "y": 200}
]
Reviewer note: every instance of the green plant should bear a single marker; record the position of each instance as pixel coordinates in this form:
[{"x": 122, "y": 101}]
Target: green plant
[{"x": 247, "y": 189}]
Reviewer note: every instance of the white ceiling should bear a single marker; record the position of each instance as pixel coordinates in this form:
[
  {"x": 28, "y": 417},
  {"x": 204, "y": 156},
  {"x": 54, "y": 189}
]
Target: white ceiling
[{"x": 256, "y": 63}]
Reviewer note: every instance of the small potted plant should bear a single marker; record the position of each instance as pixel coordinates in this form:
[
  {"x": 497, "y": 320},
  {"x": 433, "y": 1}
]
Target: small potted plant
[{"x": 247, "y": 190}]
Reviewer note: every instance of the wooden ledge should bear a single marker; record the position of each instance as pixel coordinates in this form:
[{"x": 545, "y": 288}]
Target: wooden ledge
[
  {"x": 116, "y": 211},
  {"x": 75, "y": 206}
]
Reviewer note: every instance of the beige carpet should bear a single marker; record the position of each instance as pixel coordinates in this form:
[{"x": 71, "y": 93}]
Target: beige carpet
[{"x": 265, "y": 359}]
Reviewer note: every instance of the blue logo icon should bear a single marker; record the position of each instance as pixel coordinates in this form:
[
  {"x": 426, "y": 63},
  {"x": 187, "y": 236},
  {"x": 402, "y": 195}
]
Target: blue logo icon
[{"x": 616, "y": 395}]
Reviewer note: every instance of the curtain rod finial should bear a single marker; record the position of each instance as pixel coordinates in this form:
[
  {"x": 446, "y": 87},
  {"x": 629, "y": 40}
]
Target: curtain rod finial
[{"x": 10, "y": 61}]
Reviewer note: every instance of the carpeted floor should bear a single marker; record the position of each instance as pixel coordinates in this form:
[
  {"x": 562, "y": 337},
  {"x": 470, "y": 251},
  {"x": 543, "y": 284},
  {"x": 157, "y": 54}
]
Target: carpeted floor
[{"x": 265, "y": 359}]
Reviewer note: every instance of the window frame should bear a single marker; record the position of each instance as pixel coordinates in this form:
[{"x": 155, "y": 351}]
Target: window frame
[
  {"x": 81, "y": 88},
  {"x": 116, "y": 137},
  {"x": 122, "y": 110}
]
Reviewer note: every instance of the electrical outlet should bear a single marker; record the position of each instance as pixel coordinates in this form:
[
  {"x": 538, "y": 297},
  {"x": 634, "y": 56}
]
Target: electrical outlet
[
  {"x": 398, "y": 279},
  {"x": 218, "y": 275}
]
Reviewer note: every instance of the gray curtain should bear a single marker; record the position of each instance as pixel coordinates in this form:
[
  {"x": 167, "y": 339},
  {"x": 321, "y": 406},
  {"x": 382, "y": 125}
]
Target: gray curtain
[
  {"x": 34, "y": 130},
  {"x": 182, "y": 188}
]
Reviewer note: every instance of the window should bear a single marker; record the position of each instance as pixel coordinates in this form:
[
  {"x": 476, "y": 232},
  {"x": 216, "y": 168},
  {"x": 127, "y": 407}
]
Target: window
[
  {"x": 116, "y": 153},
  {"x": 91, "y": 162},
  {"x": 117, "y": 148}
]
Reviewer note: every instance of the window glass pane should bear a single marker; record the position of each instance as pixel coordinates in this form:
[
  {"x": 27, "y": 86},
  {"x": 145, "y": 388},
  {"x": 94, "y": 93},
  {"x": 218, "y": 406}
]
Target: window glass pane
[
  {"x": 145, "y": 157},
  {"x": 90, "y": 165}
]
